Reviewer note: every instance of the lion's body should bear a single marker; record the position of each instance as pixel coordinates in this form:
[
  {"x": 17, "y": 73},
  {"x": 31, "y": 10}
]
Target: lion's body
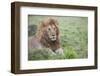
[{"x": 47, "y": 36}]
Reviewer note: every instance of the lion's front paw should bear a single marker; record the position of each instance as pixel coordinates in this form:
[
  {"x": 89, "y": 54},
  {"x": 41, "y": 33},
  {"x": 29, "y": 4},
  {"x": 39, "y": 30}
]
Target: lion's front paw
[{"x": 59, "y": 51}]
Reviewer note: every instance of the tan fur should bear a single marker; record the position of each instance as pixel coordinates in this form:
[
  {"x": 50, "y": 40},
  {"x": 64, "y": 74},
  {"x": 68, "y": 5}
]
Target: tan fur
[{"x": 41, "y": 37}]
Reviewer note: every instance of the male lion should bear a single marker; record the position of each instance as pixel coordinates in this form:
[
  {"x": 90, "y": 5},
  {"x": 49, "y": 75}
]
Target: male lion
[{"x": 47, "y": 36}]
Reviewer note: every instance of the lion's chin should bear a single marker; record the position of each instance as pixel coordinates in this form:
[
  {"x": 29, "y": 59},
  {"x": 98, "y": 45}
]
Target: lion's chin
[{"x": 53, "y": 39}]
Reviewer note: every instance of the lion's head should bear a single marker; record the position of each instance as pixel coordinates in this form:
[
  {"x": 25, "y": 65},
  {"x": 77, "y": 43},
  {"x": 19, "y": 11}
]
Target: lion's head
[{"x": 48, "y": 33}]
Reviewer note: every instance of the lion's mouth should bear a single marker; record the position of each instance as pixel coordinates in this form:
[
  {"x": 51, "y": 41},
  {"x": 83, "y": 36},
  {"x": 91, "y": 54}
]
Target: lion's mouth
[{"x": 53, "y": 39}]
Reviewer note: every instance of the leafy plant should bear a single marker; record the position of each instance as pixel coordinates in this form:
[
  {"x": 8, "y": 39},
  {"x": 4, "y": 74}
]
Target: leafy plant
[{"x": 70, "y": 53}]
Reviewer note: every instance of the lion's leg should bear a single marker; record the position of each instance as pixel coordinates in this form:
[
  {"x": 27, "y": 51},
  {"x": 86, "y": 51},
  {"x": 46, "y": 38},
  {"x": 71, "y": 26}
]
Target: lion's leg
[
  {"x": 51, "y": 52},
  {"x": 59, "y": 51}
]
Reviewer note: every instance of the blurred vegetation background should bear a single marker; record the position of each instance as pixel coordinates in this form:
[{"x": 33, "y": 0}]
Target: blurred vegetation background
[{"x": 73, "y": 35}]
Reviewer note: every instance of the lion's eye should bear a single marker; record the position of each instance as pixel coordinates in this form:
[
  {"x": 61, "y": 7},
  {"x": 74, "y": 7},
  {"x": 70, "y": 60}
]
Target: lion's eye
[{"x": 49, "y": 29}]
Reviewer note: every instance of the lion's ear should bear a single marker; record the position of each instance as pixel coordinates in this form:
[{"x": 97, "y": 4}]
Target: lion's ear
[
  {"x": 56, "y": 22},
  {"x": 42, "y": 24}
]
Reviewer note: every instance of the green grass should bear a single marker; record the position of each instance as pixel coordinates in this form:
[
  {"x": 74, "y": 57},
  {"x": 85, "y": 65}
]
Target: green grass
[
  {"x": 43, "y": 54},
  {"x": 73, "y": 36}
]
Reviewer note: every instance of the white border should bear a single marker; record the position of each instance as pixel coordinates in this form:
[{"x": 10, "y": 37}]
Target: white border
[{"x": 25, "y": 64}]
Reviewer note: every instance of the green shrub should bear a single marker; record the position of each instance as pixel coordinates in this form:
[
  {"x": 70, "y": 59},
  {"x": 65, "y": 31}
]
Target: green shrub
[{"x": 70, "y": 53}]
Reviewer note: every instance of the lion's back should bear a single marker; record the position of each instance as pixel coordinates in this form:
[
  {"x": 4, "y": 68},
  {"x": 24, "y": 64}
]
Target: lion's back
[{"x": 33, "y": 42}]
